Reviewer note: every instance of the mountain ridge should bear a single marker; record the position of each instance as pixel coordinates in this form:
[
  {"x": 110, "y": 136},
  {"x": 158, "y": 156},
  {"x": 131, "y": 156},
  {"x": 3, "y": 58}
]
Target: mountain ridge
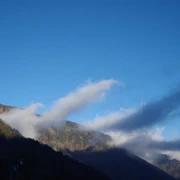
[{"x": 71, "y": 140}]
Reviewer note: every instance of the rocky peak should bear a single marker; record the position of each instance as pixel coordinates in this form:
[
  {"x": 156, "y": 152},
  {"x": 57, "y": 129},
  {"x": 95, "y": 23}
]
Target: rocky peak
[{"x": 5, "y": 108}]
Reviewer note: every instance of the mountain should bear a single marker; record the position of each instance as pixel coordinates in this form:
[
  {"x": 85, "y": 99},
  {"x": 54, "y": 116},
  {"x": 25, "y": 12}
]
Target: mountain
[
  {"x": 5, "y": 108},
  {"x": 91, "y": 148},
  {"x": 120, "y": 164},
  {"x": 168, "y": 165},
  {"x": 40, "y": 162},
  {"x": 73, "y": 137},
  {"x": 7, "y": 131}
]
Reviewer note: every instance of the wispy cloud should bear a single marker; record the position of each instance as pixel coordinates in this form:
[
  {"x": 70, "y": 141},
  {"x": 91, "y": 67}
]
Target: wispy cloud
[
  {"x": 144, "y": 117},
  {"x": 77, "y": 100},
  {"x": 23, "y": 120},
  {"x": 101, "y": 122},
  {"x": 147, "y": 144},
  {"x": 134, "y": 138},
  {"x": 27, "y": 122},
  {"x": 132, "y": 128}
]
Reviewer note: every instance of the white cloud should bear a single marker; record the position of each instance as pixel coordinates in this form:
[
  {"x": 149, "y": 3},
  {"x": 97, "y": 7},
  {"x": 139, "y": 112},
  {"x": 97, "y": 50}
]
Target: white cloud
[
  {"x": 172, "y": 154},
  {"x": 27, "y": 122},
  {"x": 146, "y": 144},
  {"x": 103, "y": 122},
  {"x": 119, "y": 138},
  {"x": 24, "y": 120},
  {"x": 157, "y": 133},
  {"x": 77, "y": 100},
  {"x": 144, "y": 117}
]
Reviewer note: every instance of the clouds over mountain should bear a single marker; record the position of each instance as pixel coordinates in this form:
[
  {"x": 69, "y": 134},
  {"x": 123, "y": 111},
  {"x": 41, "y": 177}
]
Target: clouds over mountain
[
  {"x": 133, "y": 128},
  {"x": 128, "y": 127},
  {"x": 27, "y": 122}
]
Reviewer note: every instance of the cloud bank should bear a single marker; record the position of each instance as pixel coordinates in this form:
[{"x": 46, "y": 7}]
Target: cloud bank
[
  {"x": 146, "y": 144},
  {"x": 133, "y": 128},
  {"x": 28, "y": 123}
]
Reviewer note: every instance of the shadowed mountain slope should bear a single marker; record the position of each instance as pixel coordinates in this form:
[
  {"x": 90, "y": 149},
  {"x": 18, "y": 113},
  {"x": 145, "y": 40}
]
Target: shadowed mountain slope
[
  {"x": 40, "y": 162},
  {"x": 120, "y": 164}
]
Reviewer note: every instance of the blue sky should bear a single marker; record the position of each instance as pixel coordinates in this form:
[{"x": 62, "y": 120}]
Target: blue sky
[{"x": 48, "y": 48}]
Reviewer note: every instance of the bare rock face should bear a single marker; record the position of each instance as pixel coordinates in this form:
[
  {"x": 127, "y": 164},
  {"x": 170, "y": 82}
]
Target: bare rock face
[
  {"x": 73, "y": 138},
  {"x": 168, "y": 165},
  {"x": 4, "y": 108}
]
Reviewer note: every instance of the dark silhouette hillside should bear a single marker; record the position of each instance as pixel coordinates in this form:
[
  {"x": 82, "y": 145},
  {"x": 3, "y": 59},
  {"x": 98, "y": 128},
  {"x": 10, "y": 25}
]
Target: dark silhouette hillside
[
  {"x": 40, "y": 162},
  {"x": 120, "y": 164}
]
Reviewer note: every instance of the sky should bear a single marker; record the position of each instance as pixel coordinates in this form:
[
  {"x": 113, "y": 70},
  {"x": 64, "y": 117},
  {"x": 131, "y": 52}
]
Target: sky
[{"x": 50, "y": 48}]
